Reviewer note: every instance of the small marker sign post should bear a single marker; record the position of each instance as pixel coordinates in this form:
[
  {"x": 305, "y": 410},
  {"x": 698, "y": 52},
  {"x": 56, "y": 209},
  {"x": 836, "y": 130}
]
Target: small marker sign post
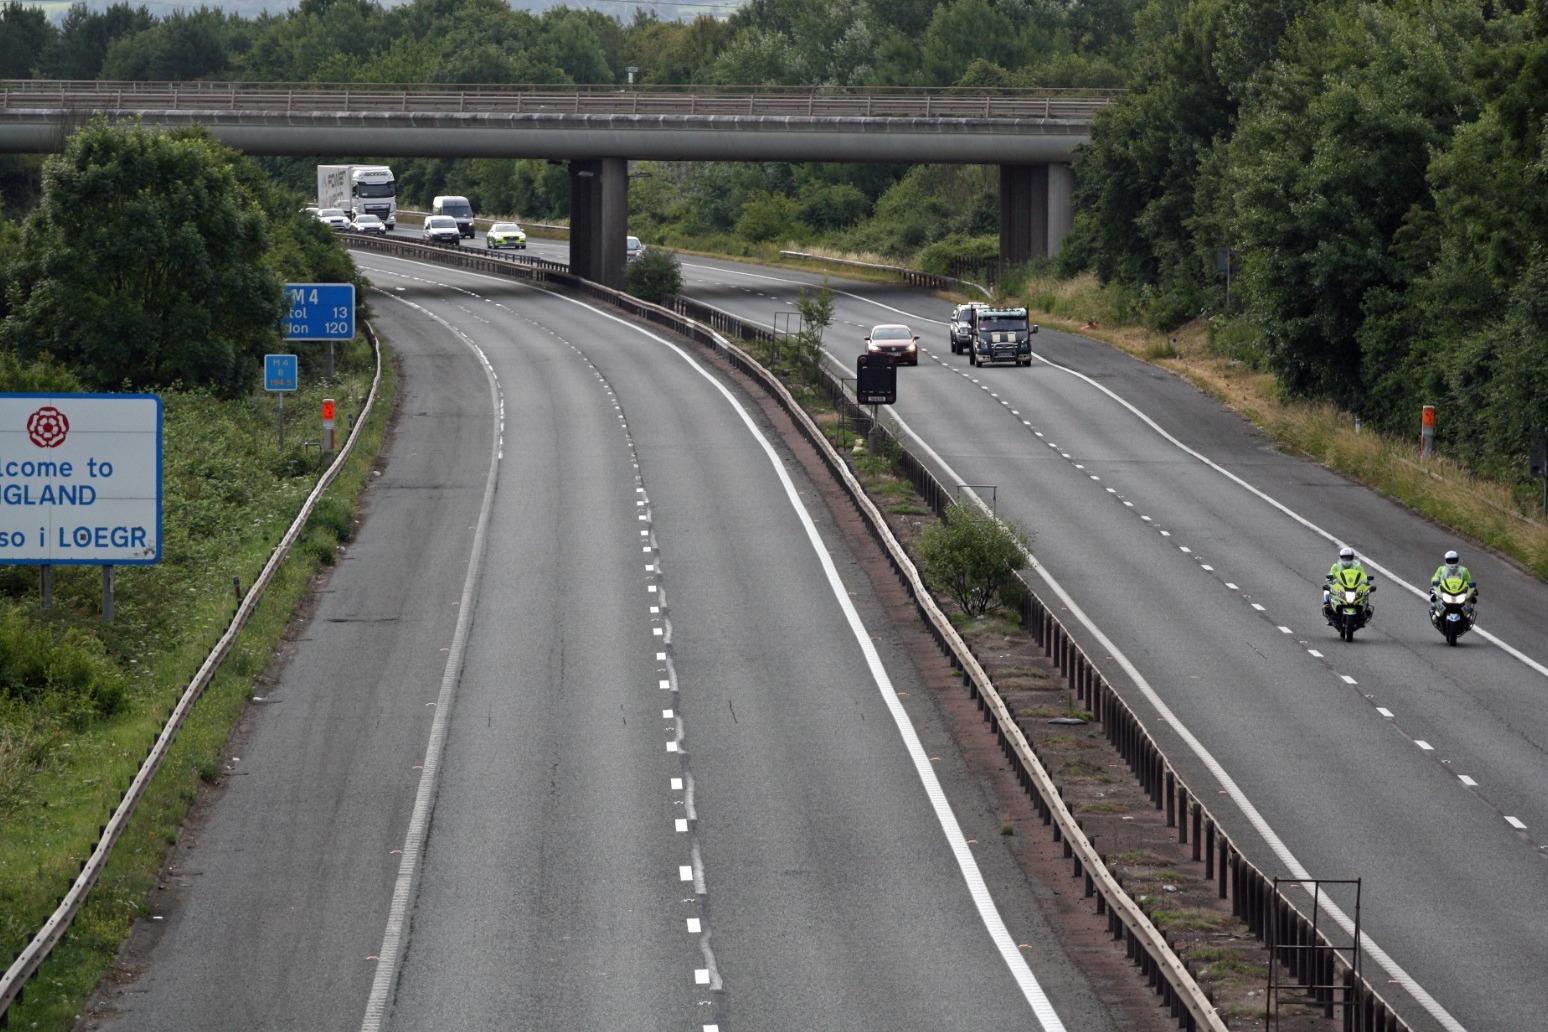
[
  {"x": 1427, "y": 432},
  {"x": 327, "y": 415},
  {"x": 280, "y": 373}
]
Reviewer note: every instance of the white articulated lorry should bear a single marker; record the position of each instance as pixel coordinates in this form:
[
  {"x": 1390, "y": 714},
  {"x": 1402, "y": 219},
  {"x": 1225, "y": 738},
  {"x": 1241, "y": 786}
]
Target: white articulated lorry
[{"x": 359, "y": 189}]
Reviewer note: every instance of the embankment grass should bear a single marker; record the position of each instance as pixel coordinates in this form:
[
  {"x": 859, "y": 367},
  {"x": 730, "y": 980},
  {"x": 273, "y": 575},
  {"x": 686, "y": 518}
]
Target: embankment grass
[{"x": 229, "y": 495}]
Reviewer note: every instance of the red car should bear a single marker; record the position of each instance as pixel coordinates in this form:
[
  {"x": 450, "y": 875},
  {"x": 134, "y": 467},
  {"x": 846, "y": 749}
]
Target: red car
[{"x": 896, "y": 341}]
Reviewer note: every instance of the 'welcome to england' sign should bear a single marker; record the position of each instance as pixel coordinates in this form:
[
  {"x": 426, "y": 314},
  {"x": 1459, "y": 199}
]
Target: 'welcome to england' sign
[{"x": 80, "y": 479}]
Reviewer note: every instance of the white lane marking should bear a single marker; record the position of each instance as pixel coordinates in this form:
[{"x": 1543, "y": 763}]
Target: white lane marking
[
  {"x": 989, "y": 914},
  {"x": 685, "y": 873},
  {"x": 1259, "y": 608},
  {"x": 1227, "y": 783},
  {"x": 1388, "y": 714},
  {"x": 1286, "y": 630},
  {"x": 1467, "y": 781},
  {"x": 405, "y": 888},
  {"x": 1514, "y": 823},
  {"x": 1426, "y": 746},
  {"x": 1347, "y": 679},
  {"x": 1285, "y": 509},
  {"x": 693, "y": 926}
]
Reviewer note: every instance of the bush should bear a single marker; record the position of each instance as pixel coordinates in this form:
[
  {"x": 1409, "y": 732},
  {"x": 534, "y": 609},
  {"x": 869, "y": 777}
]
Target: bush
[
  {"x": 64, "y": 672},
  {"x": 654, "y": 276},
  {"x": 769, "y": 216},
  {"x": 972, "y": 557}
]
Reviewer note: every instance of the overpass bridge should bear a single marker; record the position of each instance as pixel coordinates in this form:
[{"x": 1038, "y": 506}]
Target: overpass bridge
[{"x": 1030, "y": 135}]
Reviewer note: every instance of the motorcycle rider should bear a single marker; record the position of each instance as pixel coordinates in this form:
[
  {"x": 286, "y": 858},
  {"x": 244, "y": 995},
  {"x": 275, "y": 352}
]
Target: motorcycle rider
[
  {"x": 1451, "y": 568},
  {"x": 1346, "y": 561}
]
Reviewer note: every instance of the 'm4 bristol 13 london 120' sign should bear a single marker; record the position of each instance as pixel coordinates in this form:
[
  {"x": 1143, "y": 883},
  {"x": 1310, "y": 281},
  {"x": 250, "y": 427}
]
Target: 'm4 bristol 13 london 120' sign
[{"x": 80, "y": 479}]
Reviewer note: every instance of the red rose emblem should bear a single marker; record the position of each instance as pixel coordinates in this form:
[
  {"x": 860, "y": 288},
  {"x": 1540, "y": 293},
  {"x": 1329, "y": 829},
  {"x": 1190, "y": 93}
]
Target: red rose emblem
[{"x": 48, "y": 427}]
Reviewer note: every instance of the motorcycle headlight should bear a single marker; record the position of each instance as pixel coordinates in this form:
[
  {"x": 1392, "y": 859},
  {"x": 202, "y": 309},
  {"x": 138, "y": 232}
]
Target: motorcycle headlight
[
  {"x": 1450, "y": 599},
  {"x": 1351, "y": 596}
]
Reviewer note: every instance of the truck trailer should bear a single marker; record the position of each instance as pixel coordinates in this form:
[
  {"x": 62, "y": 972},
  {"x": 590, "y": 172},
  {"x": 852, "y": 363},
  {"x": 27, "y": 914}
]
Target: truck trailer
[{"x": 359, "y": 189}]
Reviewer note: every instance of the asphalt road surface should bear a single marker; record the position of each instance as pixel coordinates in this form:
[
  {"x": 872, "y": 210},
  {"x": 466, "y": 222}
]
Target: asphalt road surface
[
  {"x": 1188, "y": 554},
  {"x": 594, "y": 726}
]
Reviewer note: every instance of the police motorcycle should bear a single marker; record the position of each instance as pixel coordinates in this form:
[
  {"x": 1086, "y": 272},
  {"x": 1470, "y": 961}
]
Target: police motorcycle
[
  {"x": 1346, "y": 601},
  {"x": 1453, "y": 606}
]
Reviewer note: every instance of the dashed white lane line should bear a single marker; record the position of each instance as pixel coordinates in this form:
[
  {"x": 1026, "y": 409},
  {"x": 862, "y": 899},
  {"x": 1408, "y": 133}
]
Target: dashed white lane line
[
  {"x": 1426, "y": 746},
  {"x": 1347, "y": 679},
  {"x": 1514, "y": 823},
  {"x": 1469, "y": 782},
  {"x": 1386, "y": 713}
]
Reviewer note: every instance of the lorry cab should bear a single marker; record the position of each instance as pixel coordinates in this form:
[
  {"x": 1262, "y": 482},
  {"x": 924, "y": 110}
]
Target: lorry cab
[
  {"x": 458, "y": 208},
  {"x": 1000, "y": 335}
]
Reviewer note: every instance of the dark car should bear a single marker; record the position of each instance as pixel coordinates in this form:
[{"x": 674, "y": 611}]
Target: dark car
[
  {"x": 895, "y": 341},
  {"x": 961, "y": 326}
]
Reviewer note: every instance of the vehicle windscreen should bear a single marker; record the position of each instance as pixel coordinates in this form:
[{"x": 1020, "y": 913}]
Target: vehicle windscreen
[
  {"x": 1001, "y": 325},
  {"x": 375, "y": 189},
  {"x": 462, "y": 208},
  {"x": 890, "y": 333}
]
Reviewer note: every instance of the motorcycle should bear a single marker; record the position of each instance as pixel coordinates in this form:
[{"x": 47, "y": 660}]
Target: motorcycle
[
  {"x": 1453, "y": 606},
  {"x": 1346, "y": 601}
]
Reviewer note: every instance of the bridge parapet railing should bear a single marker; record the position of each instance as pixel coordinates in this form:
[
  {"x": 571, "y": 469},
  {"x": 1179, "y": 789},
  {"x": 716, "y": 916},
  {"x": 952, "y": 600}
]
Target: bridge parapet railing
[{"x": 303, "y": 98}]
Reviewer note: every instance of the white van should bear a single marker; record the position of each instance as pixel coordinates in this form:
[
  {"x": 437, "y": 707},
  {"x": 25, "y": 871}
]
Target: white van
[{"x": 458, "y": 208}]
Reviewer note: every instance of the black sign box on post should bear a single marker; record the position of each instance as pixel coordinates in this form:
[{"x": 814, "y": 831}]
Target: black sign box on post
[{"x": 877, "y": 382}]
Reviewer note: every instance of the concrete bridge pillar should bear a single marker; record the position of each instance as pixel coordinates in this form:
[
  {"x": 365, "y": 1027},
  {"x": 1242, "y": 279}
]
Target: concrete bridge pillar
[
  {"x": 1037, "y": 210},
  {"x": 599, "y": 219}
]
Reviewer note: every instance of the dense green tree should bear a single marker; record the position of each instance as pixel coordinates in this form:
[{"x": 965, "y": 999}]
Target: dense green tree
[
  {"x": 24, "y": 33},
  {"x": 145, "y": 265},
  {"x": 84, "y": 37},
  {"x": 675, "y": 52},
  {"x": 182, "y": 47},
  {"x": 1329, "y": 163}
]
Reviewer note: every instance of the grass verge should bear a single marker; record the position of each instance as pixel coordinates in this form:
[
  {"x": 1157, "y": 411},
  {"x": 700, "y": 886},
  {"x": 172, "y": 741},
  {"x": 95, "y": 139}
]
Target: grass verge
[{"x": 51, "y": 828}]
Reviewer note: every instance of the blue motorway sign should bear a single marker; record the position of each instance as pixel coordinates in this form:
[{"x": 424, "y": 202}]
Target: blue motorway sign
[
  {"x": 320, "y": 311},
  {"x": 279, "y": 372}
]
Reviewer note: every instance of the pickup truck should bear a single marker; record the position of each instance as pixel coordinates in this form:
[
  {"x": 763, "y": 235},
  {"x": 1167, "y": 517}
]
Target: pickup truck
[{"x": 961, "y": 326}]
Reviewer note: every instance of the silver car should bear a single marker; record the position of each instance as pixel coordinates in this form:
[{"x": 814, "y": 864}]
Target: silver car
[
  {"x": 334, "y": 218},
  {"x": 441, "y": 229}
]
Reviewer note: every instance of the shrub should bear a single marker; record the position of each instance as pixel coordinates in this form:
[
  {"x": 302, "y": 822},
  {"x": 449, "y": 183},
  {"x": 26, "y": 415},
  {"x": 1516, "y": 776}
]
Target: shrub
[
  {"x": 66, "y": 672},
  {"x": 972, "y": 556},
  {"x": 654, "y": 276}
]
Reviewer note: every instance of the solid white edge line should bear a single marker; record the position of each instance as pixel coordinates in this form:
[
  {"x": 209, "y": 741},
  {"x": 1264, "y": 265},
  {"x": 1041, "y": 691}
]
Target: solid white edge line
[
  {"x": 1227, "y": 783},
  {"x": 390, "y": 957},
  {"x": 1042, "y": 1008},
  {"x": 1031, "y": 990}
]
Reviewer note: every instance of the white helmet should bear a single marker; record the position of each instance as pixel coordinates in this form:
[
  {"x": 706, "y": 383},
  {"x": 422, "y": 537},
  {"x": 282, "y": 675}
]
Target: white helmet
[
  {"x": 1452, "y": 559},
  {"x": 1346, "y": 554}
]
